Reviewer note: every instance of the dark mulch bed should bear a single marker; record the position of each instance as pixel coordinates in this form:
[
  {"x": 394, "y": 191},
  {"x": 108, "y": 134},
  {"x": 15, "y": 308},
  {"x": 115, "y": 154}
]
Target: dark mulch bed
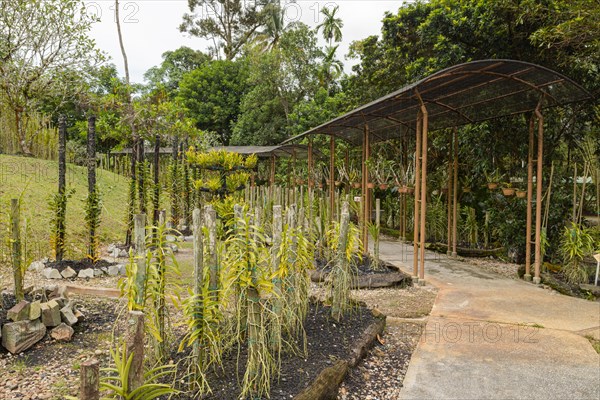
[
  {"x": 78, "y": 265},
  {"x": 360, "y": 266},
  {"x": 328, "y": 341}
]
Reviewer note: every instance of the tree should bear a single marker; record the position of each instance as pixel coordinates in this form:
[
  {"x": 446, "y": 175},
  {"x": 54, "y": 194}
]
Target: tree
[
  {"x": 175, "y": 64},
  {"x": 212, "y": 94},
  {"x": 230, "y": 24},
  {"x": 45, "y": 52},
  {"x": 331, "y": 25},
  {"x": 278, "y": 81}
]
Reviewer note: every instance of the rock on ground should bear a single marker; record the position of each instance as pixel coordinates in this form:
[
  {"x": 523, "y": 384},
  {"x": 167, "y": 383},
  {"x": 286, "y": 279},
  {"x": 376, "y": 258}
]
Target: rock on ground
[{"x": 19, "y": 336}]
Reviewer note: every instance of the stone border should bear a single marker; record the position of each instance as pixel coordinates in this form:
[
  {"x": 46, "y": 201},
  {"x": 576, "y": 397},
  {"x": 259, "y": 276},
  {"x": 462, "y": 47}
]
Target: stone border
[
  {"x": 69, "y": 273},
  {"x": 326, "y": 385}
]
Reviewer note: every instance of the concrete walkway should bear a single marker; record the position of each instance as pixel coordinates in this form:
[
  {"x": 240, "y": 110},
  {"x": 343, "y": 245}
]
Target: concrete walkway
[{"x": 489, "y": 337}]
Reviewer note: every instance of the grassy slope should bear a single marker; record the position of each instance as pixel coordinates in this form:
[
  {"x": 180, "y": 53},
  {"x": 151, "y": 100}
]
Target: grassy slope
[{"x": 37, "y": 180}]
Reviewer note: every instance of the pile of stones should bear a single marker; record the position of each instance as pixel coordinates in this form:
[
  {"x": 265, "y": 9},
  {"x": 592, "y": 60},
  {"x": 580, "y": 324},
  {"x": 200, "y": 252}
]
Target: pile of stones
[
  {"x": 70, "y": 273},
  {"x": 49, "y": 310}
]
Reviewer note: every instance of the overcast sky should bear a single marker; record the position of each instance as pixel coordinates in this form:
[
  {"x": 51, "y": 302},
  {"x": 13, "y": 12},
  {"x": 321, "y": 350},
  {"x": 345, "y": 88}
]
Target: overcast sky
[{"x": 150, "y": 27}]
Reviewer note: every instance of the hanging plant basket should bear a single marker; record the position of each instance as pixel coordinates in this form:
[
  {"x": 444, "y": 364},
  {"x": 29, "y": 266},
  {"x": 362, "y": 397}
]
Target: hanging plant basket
[
  {"x": 383, "y": 186},
  {"x": 407, "y": 189},
  {"x": 521, "y": 194},
  {"x": 370, "y": 185},
  {"x": 492, "y": 185},
  {"x": 338, "y": 183},
  {"x": 356, "y": 185},
  {"x": 508, "y": 191}
]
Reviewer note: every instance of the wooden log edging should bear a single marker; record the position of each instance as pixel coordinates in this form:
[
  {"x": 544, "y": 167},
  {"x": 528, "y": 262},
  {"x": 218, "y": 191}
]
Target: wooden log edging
[
  {"x": 327, "y": 383},
  {"x": 371, "y": 281}
]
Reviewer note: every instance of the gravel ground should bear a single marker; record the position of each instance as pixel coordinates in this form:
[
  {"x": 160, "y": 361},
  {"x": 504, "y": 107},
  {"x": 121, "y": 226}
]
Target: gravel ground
[
  {"x": 504, "y": 269},
  {"x": 379, "y": 376}
]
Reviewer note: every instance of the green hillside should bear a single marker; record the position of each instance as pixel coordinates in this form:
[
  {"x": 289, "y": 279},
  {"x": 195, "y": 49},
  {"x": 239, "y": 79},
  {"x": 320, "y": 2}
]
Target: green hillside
[{"x": 36, "y": 180}]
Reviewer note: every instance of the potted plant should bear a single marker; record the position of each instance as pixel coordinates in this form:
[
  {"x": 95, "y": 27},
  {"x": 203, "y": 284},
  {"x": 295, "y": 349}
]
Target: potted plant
[
  {"x": 507, "y": 189},
  {"x": 493, "y": 179},
  {"x": 521, "y": 194}
]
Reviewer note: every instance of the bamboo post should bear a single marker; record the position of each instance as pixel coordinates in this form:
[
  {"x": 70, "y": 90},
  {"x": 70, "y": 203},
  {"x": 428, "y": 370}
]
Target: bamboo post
[
  {"x": 15, "y": 225},
  {"x": 89, "y": 385},
  {"x": 139, "y": 232},
  {"x": 210, "y": 218},
  {"x": 455, "y": 196},
  {"x": 423, "y": 192},
  {"x": 538, "y": 196},
  {"x": 135, "y": 346},
  {"x": 199, "y": 283},
  {"x": 527, "y": 275},
  {"x": 574, "y": 215},
  {"x": 417, "y": 198},
  {"x": 156, "y": 169},
  {"x": 62, "y": 204}
]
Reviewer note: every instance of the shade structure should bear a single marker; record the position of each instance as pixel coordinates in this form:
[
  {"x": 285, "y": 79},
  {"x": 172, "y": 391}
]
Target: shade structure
[
  {"x": 285, "y": 150},
  {"x": 463, "y": 94}
]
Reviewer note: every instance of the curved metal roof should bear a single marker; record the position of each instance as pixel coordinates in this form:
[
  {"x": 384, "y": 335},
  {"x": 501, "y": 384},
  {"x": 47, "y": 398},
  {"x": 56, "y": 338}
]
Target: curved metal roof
[
  {"x": 282, "y": 150},
  {"x": 462, "y": 94}
]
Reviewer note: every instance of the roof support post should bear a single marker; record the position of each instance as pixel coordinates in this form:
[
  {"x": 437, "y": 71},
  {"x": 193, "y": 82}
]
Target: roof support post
[
  {"x": 455, "y": 195},
  {"x": 365, "y": 191},
  {"x": 538, "y": 196},
  {"x": 417, "y": 197},
  {"x": 527, "y": 276},
  {"x": 449, "y": 192},
  {"x": 272, "y": 176},
  {"x": 423, "y": 192},
  {"x": 331, "y": 178}
]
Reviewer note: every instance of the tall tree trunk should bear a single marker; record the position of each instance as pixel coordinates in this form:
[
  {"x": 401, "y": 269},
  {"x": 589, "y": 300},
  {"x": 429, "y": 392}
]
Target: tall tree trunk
[
  {"x": 21, "y": 132},
  {"x": 15, "y": 226}
]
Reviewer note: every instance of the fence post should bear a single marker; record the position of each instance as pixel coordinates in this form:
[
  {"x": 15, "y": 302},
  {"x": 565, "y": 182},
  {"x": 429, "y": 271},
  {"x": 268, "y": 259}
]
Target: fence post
[
  {"x": 15, "y": 225},
  {"x": 139, "y": 232},
  {"x": 89, "y": 388},
  {"x": 135, "y": 346}
]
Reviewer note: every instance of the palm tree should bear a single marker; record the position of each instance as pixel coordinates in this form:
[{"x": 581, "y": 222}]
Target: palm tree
[
  {"x": 331, "y": 25},
  {"x": 274, "y": 27},
  {"x": 331, "y": 68}
]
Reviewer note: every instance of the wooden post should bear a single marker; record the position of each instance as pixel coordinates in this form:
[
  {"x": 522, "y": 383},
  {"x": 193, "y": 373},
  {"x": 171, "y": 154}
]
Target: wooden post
[
  {"x": 310, "y": 164},
  {"x": 365, "y": 195},
  {"x": 423, "y": 193},
  {"x": 417, "y": 198},
  {"x": 378, "y": 227},
  {"x": 455, "y": 196},
  {"x": 62, "y": 204},
  {"x": 15, "y": 229},
  {"x": 199, "y": 283},
  {"x": 91, "y": 166},
  {"x": 135, "y": 346},
  {"x": 538, "y": 197},
  {"x": 449, "y": 195},
  {"x": 275, "y": 261},
  {"x": 139, "y": 234},
  {"x": 89, "y": 386},
  {"x": 210, "y": 216},
  {"x": 331, "y": 178},
  {"x": 156, "y": 197},
  {"x": 337, "y": 308},
  {"x": 527, "y": 275}
]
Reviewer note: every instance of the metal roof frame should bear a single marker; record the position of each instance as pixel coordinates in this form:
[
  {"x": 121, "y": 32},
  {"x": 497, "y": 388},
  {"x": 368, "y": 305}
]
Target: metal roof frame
[{"x": 459, "y": 95}]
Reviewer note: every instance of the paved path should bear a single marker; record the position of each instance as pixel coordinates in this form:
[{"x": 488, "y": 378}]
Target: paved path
[{"x": 490, "y": 337}]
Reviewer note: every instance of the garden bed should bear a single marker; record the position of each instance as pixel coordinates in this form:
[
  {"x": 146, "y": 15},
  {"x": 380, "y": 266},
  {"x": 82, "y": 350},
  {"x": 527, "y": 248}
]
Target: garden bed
[
  {"x": 329, "y": 345},
  {"x": 367, "y": 275}
]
